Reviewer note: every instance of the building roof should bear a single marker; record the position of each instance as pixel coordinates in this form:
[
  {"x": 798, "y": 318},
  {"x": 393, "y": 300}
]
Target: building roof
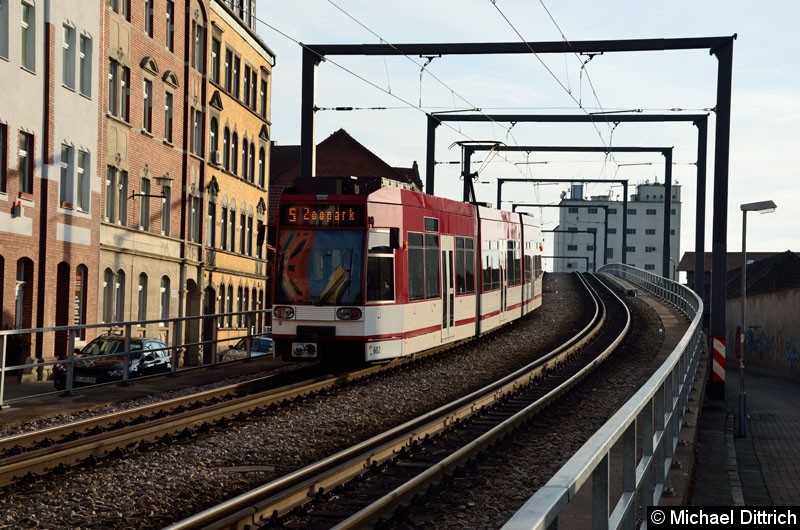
[
  {"x": 775, "y": 273},
  {"x": 339, "y": 155}
]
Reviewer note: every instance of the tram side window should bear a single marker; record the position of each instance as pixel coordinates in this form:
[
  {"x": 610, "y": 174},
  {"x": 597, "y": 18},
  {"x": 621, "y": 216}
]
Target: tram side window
[
  {"x": 513, "y": 262},
  {"x": 465, "y": 266},
  {"x": 380, "y": 268},
  {"x": 491, "y": 265},
  {"x": 423, "y": 266},
  {"x": 416, "y": 267}
]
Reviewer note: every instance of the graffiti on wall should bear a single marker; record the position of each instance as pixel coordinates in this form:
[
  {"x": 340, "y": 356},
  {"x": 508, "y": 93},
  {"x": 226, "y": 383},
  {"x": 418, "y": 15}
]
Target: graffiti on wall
[{"x": 761, "y": 344}]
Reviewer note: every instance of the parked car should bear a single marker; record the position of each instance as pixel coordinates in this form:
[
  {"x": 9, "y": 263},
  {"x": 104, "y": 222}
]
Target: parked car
[
  {"x": 147, "y": 356},
  {"x": 261, "y": 346}
]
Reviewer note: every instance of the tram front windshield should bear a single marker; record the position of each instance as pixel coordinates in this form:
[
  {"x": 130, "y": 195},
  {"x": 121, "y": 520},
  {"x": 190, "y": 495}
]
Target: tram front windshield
[{"x": 319, "y": 267}]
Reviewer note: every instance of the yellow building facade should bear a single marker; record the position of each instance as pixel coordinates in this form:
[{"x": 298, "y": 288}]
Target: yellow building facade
[{"x": 237, "y": 172}]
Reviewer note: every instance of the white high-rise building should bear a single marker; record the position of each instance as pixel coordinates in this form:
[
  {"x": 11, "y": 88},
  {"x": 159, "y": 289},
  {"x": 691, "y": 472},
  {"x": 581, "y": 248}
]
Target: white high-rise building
[{"x": 579, "y": 217}]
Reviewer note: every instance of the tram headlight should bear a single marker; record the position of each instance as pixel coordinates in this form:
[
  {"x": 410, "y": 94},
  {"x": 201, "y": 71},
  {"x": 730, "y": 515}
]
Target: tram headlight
[
  {"x": 348, "y": 313},
  {"x": 283, "y": 312}
]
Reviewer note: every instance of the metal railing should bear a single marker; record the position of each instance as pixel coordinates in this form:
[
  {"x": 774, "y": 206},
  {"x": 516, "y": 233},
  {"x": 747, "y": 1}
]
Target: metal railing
[
  {"x": 643, "y": 434},
  {"x": 204, "y": 351}
]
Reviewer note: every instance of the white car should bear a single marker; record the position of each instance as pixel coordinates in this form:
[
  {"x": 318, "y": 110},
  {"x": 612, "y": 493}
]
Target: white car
[{"x": 260, "y": 346}]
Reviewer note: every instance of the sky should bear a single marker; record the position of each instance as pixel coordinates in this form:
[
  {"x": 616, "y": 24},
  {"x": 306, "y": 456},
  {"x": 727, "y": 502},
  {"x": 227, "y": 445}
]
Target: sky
[{"x": 392, "y": 95}]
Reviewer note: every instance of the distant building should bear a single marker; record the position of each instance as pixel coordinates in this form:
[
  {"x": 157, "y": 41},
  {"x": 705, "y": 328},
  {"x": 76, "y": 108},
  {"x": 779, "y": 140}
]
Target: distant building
[{"x": 645, "y": 229}]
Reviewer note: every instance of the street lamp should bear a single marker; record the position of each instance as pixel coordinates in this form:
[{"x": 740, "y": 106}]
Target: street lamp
[{"x": 761, "y": 207}]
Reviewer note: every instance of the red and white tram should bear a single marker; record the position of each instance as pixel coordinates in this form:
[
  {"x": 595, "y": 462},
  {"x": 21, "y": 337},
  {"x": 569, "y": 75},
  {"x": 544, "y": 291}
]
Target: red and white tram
[{"x": 390, "y": 272}]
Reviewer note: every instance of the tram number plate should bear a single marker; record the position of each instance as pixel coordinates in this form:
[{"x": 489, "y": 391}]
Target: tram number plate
[
  {"x": 373, "y": 350},
  {"x": 83, "y": 379}
]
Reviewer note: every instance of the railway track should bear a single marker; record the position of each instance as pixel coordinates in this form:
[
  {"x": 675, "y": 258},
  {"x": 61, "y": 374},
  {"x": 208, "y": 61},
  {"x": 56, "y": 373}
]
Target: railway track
[{"x": 399, "y": 464}]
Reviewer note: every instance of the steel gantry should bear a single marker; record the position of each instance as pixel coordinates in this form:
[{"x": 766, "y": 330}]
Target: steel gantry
[
  {"x": 720, "y": 47},
  {"x": 698, "y": 120},
  {"x": 594, "y": 242}
]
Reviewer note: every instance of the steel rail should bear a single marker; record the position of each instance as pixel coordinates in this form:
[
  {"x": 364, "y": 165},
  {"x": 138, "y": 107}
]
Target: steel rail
[{"x": 296, "y": 489}]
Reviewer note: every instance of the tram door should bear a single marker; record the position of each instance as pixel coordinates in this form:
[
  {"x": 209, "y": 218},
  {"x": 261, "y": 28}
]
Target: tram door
[
  {"x": 448, "y": 287},
  {"x": 503, "y": 285}
]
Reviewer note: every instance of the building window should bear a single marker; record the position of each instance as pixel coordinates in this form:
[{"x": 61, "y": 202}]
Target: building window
[
  {"x": 572, "y": 229},
  {"x": 25, "y": 166},
  {"x": 195, "y": 218},
  {"x": 611, "y": 231},
  {"x": 650, "y": 231},
  {"x": 673, "y": 211},
  {"x": 168, "y": 112},
  {"x": 672, "y": 232},
  {"x": 242, "y": 233},
  {"x": 235, "y": 154},
  {"x": 592, "y": 230},
  {"x": 212, "y": 224},
  {"x": 230, "y": 306},
  {"x": 164, "y": 300},
  {"x": 232, "y": 229},
  {"x": 148, "y": 17},
  {"x": 630, "y": 231},
  {"x": 226, "y": 144},
  {"x": 609, "y": 253},
  {"x": 213, "y": 140},
  {"x": 260, "y": 230},
  {"x": 68, "y": 56},
  {"x": 3, "y": 157},
  {"x": 223, "y": 228},
  {"x": 650, "y": 211},
  {"x": 171, "y": 25},
  {"x": 649, "y": 249},
  {"x": 572, "y": 209},
  {"x": 116, "y": 208},
  {"x": 247, "y": 73},
  {"x": 249, "y": 236},
  {"x": 85, "y": 66},
  {"x": 216, "y": 47},
  {"x": 67, "y": 181},
  {"x": 166, "y": 205},
  {"x": 649, "y": 267},
  {"x": 147, "y": 111},
  {"x": 198, "y": 32},
  {"x": 118, "y": 90},
  {"x": 144, "y": 207},
  {"x": 612, "y": 211},
  {"x": 228, "y": 71},
  {"x": 108, "y": 296},
  {"x": 239, "y": 301},
  {"x": 119, "y": 296},
  {"x": 244, "y": 159},
  {"x": 263, "y": 94},
  {"x": 261, "y": 167},
  {"x": 122, "y": 7},
  {"x": 236, "y": 65},
  {"x": 4, "y": 28},
  {"x": 631, "y": 211},
  {"x": 630, "y": 249},
  {"x": 572, "y": 247},
  {"x": 197, "y": 132},
  {"x": 592, "y": 210},
  {"x": 28, "y": 34},
  {"x": 142, "y": 312},
  {"x": 84, "y": 181},
  {"x": 251, "y": 161},
  {"x": 590, "y": 247}
]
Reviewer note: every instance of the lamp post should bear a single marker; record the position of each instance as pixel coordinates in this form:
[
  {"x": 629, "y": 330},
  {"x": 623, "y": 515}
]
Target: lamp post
[{"x": 761, "y": 207}]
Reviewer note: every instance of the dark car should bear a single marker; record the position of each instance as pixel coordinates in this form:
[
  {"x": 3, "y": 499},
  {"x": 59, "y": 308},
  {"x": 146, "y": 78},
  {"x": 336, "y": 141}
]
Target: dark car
[{"x": 147, "y": 356}]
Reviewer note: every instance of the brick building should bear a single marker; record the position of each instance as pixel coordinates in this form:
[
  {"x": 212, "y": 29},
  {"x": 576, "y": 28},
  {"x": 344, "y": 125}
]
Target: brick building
[{"x": 49, "y": 185}]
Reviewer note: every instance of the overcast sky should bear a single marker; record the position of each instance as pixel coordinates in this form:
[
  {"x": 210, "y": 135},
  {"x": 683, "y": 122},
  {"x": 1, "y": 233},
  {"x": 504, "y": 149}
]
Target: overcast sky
[{"x": 765, "y": 129}]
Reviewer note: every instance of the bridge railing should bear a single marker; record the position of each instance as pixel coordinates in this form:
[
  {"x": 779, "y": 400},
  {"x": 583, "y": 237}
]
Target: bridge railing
[
  {"x": 643, "y": 433},
  {"x": 199, "y": 340}
]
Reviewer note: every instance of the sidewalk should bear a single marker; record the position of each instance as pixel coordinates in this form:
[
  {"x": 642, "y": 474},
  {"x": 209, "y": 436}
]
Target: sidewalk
[{"x": 761, "y": 469}]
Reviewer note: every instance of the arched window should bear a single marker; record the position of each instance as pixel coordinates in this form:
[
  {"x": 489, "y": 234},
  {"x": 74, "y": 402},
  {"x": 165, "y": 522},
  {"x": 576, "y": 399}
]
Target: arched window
[
  {"x": 214, "y": 139},
  {"x": 119, "y": 296},
  {"x": 239, "y": 299},
  {"x": 211, "y": 227},
  {"x": 246, "y": 306},
  {"x": 142, "y": 312},
  {"x": 235, "y": 154},
  {"x": 165, "y": 294},
  {"x": 221, "y": 320},
  {"x": 261, "y": 167},
  {"x": 251, "y": 162},
  {"x": 244, "y": 159},
  {"x": 230, "y": 306},
  {"x": 226, "y": 154},
  {"x": 108, "y": 296}
]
